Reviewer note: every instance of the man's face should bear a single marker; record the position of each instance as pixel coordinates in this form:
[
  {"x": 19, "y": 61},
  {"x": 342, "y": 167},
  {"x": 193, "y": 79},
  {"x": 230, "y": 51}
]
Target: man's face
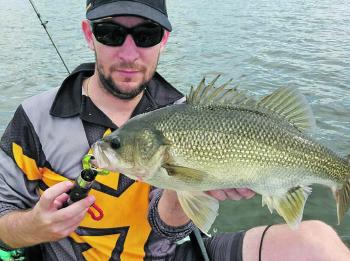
[{"x": 123, "y": 70}]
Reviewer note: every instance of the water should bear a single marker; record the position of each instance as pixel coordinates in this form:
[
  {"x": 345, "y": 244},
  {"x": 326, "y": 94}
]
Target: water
[{"x": 262, "y": 45}]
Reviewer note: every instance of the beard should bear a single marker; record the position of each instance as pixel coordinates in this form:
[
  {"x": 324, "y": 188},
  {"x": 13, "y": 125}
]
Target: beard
[{"x": 112, "y": 87}]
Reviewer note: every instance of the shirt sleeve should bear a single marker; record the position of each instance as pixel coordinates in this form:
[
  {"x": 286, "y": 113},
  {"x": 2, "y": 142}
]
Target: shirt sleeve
[
  {"x": 161, "y": 228},
  {"x": 19, "y": 172}
]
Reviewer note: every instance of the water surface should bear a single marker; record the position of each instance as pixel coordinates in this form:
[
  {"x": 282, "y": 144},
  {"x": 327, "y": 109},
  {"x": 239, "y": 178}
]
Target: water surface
[{"x": 262, "y": 45}]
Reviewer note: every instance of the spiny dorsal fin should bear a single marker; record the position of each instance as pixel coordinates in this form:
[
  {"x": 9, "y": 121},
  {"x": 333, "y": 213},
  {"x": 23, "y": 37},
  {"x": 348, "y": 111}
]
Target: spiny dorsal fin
[
  {"x": 291, "y": 105},
  {"x": 222, "y": 95},
  {"x": 194, "y": 93}
]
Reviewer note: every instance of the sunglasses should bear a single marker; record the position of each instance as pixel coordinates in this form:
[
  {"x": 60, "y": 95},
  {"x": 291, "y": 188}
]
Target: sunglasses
[{"x": 113, "y": 34}]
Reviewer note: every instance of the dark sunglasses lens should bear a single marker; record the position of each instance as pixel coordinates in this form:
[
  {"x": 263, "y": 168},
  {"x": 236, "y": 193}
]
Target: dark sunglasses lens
[
  {"x": 147, "y": 35},
  {"x": 109, "y": 34}
]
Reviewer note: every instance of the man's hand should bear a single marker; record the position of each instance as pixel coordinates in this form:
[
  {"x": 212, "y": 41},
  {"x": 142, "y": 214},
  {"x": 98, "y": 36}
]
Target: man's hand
[
  {"x": 47, "y": 221},
  {"x": 234, "y": 194},
  {"x": 170, "y": 210},
  {"x": 55, "y": 223}
]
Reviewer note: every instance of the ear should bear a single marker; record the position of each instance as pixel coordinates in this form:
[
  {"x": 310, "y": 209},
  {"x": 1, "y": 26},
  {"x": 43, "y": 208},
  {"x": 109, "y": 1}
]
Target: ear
[
  {"x": 89, "y": 37},
  {"x": 164, "y": 40}
]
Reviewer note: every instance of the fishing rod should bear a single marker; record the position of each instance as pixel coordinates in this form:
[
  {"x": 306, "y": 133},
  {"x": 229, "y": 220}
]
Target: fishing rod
[{"x": 48, "y": 34}]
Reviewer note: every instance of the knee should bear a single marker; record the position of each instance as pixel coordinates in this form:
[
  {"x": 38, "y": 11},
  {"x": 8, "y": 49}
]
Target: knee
[
  {"x": 319, "y": 240},
  {"x": 316, "y": 229},
  {"x": 313, "y": 240},
  {"x": 309, "y": 235}
]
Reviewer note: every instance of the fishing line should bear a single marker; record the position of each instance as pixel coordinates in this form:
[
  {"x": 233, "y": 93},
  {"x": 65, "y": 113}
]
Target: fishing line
[
  {"x": 196, "y": 238},
  {"x": 48, "y": 34}
]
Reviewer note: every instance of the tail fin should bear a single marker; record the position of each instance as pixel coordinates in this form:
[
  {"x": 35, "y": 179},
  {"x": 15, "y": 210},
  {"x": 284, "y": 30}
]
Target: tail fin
[{"x": 343, "y": 197}]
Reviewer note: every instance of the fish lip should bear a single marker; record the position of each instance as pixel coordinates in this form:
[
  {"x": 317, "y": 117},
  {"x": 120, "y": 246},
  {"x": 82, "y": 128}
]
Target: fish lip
[
  {"x": 101, "y": 159},
  {"x": 102, "y": 154}
]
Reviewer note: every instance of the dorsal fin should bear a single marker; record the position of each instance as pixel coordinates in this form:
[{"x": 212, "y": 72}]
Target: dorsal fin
[
  {"x": 202, "y": 89},
  {"x": 222, "y": 95},
  {"x": 291, "y": 105},
  {"x": 286, "y": 102}
]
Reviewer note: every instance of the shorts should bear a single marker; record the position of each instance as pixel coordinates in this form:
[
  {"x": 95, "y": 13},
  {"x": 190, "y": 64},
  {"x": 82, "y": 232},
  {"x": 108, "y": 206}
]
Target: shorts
[{"x": 221, "y": 247}]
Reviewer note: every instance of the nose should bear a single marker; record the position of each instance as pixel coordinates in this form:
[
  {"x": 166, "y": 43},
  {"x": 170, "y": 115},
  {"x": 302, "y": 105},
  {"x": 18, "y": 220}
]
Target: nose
[
  {"x": 99, "y": 145},
  {"x": 129, "y": 52}
]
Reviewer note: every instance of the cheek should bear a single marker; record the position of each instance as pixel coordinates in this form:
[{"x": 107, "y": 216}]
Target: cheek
[
  {"x": 150, "y": 59},
  {"x": 103, "y": 55},
  {"x": 151, "y": 55}
]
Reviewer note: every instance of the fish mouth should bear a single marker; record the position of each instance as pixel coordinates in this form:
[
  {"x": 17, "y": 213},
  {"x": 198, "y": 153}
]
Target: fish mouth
[
  {"x": 106, "y": 158},
  {"x": 99, "y": 150}
]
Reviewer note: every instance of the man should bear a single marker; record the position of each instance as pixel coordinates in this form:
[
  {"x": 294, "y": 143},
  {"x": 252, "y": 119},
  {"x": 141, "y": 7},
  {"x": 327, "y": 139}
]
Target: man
[{"x": 50, "y": 133}]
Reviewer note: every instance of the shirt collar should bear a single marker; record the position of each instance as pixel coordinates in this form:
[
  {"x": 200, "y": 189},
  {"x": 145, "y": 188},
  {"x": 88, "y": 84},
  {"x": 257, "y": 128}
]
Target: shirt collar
[{"x": 69, "y": 101}]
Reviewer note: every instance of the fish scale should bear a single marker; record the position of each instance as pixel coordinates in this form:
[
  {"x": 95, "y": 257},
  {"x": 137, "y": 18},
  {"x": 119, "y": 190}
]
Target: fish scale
[{"x": 247, "y": 140}]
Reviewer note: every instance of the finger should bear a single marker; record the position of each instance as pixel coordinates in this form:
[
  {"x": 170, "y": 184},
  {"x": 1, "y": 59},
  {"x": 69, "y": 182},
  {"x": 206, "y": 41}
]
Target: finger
[
  {"x": 70, "y": 229},
  {"x": 233, "y": 194},
  {"x": 74, "y": 222},
  {"x": 218, "y": 194},
  {"x": 64, "y": 228},
  {"x": 60, "y": 200},
  {"x": 50, "y": 195},
  {"x": 75, "y": 209},
  {"x": 246, "y": 193}
]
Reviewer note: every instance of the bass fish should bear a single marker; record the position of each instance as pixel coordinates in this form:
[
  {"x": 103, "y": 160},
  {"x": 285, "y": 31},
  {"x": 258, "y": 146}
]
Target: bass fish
[{"x": 224, "y": 138}]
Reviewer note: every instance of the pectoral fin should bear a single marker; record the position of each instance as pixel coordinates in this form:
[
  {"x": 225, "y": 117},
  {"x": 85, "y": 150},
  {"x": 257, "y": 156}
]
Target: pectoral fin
[
  {"x": 290, "y": 206},
  {"x": 184, "y": 173},
  {"x": 201, "y": 208}
]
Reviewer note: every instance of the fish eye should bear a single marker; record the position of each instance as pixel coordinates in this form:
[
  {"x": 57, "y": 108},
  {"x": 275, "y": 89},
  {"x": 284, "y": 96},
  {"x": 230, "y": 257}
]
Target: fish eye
[{"x": 115, "y": 144}]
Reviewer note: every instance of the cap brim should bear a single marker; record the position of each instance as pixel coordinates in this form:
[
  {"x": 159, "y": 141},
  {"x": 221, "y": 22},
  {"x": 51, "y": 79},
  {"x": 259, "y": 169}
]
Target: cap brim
[{"x": 129, "y": 8}]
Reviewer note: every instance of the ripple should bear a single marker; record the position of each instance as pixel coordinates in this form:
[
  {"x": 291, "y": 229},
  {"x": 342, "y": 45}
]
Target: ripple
[{"x": 262, "y": 45}]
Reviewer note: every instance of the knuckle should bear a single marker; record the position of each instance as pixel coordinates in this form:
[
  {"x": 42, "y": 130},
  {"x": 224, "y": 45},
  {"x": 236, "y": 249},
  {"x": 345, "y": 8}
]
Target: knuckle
[
  {"x": 82, "y": 214},
  {"x": 65, "y": 217},
  {"x": 87, "y": 204},
  {"x": 45, "y": 197},
  {"x": 77, "y": 219},
  {"x": 221, "y": 196},
  {"x": 47, "y": 222},
  {"x": 233, "y": 195}
]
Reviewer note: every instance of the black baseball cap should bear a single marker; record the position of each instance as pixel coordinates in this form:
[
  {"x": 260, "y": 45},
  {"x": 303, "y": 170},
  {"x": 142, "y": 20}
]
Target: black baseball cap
[{"x": 154, "y": 10}]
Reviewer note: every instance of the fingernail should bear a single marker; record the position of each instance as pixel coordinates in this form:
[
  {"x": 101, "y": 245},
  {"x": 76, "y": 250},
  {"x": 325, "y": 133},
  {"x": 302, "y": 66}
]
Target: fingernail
[
  {"x": 91, "y": 199},
  {"x": 68, "y": 183}
]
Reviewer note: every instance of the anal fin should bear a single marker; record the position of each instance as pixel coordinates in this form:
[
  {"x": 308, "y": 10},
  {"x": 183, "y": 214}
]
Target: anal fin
[{"x": 290, "y": 206}]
